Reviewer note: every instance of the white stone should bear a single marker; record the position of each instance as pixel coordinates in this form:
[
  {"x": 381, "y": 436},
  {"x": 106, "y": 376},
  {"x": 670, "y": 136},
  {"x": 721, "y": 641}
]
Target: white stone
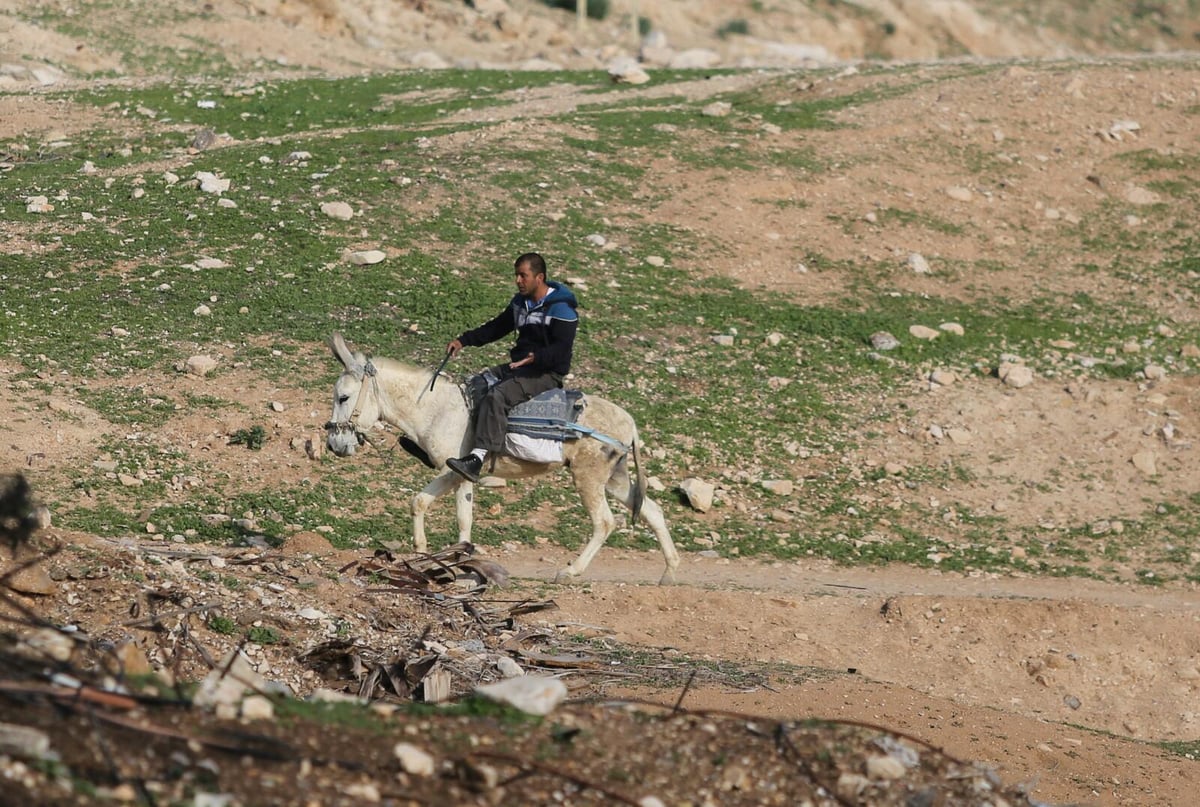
[
  {"x": 337, "y": 210},
  {"x": 508, "y": 668},
  {"x": 917, "y": 262},
  {"x": 959, "y": 193},
  {"x": 47, "y": 643},
  {"x": 717, "y": 109},
  {"x": 1145, "y": 462},
  {"x": 1015, "y": 375},
  {"x": 627, "y": 71},
  {"x": 364, "y": 791},
  {"x": 699, "y": 493},
  {"x": 258, "y": 707},
  {"x": 532, "y": 694},
  {"x": 211, "y": 263},
  {"x": 656, "y": 260},
  {"x": 882, "y": 340},
  {"x": 952, "y": 327},
  {"x": 780, "y": 487},
  {"x": 884, "y": 767},
  {"x": 23, "y": 742},
  {"x": 200, "y": 365},
  {"x": 1141, "y": 196},
  {"x": 367, "y": 257},
  {"x": 38, "y": 204},
  {"x": 228, "y": 681},
  {"x": 414, "y": 760},
  {"x": 1124, "y": 127},
  {"x": 850, "y": 785},
  {"x": 923, "y": 332},
  {"x": 211, "y": 183}
]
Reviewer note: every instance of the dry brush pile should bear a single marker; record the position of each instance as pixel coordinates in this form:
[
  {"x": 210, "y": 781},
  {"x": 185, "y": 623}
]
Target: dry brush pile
[{"x": 87, "y": 717}]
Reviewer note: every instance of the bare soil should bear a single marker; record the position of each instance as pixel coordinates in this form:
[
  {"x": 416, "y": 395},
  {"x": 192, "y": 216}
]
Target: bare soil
[{"x": 1063, "y": 685}]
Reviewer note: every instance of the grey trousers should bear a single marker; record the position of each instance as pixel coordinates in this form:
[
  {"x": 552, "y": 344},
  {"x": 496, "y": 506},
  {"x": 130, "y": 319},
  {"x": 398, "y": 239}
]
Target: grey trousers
[{"x": 491, "y": 420}]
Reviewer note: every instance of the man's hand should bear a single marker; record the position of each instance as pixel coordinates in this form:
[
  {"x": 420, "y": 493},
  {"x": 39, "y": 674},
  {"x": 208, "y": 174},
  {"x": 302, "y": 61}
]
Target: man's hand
[
  {"x": 527, "y": 360},
  {"x": 453, "y": 347}
]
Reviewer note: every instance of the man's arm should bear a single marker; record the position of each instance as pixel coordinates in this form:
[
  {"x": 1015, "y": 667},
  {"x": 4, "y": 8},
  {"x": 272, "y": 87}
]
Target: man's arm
[{"x": 495, "y": 328}]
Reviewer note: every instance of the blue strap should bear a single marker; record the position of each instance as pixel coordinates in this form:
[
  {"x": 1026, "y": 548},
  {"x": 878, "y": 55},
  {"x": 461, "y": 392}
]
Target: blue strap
[{"x": 603, "y": 438}]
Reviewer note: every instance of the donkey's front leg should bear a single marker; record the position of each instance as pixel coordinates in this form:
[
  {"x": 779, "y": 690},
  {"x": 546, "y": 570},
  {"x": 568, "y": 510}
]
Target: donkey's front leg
[
  {"x": 464, "y": 504},
  {"x": 436, "y": 488}
]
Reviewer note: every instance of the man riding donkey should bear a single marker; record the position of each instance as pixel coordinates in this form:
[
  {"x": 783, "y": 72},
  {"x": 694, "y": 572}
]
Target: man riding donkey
[{"x": 542, "y": 312}]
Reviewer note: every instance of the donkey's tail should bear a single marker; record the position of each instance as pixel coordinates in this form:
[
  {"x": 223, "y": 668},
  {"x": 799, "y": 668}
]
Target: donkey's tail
[{"x": 639, "y": 485}]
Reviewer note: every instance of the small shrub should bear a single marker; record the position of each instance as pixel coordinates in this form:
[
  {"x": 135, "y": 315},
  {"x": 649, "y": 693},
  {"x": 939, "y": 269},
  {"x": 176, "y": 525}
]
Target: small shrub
[
  {"x": 252, "y": 438},
  {"x": 596, "y": 9},
  {"x": 738, "y": 27},
  {"x": 222, "y": 624},
  {"x": 263, "y": 635}
]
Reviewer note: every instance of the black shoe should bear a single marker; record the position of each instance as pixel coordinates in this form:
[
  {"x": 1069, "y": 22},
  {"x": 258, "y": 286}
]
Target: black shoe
[{"x": 467, "y": 467}]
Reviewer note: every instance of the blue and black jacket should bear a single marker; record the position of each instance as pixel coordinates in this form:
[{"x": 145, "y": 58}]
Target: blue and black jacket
[{"x": 545, "y": 328}]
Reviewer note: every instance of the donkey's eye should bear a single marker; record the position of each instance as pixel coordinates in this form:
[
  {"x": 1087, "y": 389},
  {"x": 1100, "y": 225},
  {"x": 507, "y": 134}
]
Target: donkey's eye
[{"x": 342, "y": 399}]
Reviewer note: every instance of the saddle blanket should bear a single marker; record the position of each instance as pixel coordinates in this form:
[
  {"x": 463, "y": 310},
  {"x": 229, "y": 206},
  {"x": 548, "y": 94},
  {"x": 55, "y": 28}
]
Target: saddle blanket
[
  {"x": 548, "y": 416},
  {"x": 538, "y": 427}
]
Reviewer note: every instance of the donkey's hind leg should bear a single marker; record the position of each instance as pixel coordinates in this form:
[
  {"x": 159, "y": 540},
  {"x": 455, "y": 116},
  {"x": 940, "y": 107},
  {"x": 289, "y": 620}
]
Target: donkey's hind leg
[
  {"x": 621, "y": 489},
  {"x": 603, "y": 524},
  {"x": 463, "y": 499}
]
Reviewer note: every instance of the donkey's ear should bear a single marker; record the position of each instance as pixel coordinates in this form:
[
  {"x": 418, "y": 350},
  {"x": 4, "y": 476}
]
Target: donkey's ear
[{"x": 340, "y": 352}]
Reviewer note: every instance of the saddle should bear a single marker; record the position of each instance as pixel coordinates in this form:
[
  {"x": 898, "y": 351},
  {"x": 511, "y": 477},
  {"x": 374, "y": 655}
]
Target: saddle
[{"x": 547, "y": 416}]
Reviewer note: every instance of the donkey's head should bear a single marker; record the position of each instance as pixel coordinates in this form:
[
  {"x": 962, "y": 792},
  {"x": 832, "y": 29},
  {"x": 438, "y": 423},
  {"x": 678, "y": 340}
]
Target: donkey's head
[{"x": 355, "y": 400}]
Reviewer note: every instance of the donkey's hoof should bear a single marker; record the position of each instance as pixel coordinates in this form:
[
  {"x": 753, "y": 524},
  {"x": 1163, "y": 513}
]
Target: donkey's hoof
[
  {"x": 668, "y": 578},
  {"x": 564, "y": 576}
]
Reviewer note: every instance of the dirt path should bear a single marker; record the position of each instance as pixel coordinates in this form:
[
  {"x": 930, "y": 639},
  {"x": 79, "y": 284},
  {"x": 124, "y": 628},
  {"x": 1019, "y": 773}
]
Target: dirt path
[{"x": 1035, "y": 676}]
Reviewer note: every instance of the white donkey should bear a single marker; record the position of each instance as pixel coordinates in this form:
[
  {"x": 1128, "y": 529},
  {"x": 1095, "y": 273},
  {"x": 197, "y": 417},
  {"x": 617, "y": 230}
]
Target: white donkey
[{"x": 437, "y": 423}]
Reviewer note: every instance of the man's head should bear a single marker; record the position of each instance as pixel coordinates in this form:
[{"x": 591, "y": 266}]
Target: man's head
[{"x": 530, "y": 272}]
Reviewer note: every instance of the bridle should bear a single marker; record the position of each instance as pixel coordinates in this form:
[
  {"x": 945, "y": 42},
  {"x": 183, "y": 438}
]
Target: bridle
[{"x": 351, "y": 424}]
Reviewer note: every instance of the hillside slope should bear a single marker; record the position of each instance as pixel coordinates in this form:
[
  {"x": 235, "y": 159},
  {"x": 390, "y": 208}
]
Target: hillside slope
[{"x": 47, "y": 42}]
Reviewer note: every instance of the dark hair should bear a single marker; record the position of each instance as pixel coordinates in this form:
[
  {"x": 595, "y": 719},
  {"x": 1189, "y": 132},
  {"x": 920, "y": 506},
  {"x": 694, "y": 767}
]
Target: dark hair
[{"x": 535, "y": 261}]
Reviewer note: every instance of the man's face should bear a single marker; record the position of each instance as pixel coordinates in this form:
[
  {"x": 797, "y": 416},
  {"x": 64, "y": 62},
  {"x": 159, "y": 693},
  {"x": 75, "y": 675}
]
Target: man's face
[{"x": 527, "y": 281}]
